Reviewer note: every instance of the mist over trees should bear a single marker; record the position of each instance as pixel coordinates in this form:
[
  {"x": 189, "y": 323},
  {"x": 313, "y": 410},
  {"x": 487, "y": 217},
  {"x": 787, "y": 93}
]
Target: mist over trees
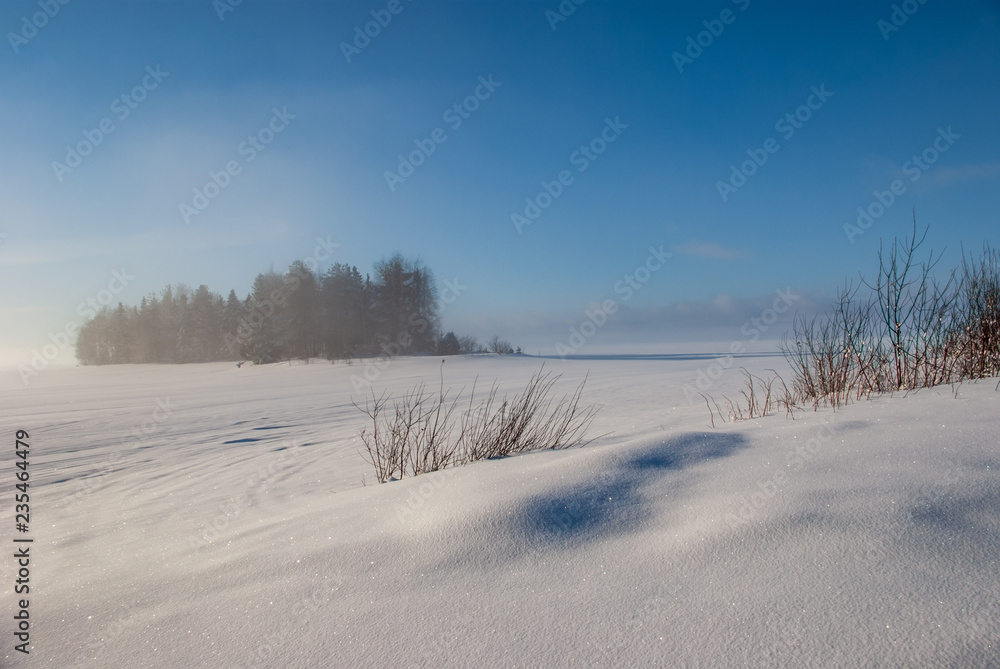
[{"x": 298, "y": 314}]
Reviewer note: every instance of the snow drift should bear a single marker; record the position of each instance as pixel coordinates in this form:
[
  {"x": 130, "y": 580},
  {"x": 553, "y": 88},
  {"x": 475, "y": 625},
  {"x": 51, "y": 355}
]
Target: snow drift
[{"x": 209, "y": 516}]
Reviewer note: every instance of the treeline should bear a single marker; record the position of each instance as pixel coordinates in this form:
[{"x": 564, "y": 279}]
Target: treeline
[{"x": 299, "y": 314}]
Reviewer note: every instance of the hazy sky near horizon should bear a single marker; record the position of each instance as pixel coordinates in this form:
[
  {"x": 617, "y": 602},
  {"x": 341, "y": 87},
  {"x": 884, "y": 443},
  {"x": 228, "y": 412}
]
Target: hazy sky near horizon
[{"x": 619, "y": 121}]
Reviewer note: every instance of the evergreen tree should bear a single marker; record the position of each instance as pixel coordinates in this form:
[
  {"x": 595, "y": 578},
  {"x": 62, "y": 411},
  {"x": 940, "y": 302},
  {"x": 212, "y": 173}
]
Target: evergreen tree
[
  {"x": 405, "y": 305},
  {"x": 298, "y": 314},
  {"x": 266, "y": 316},
  {"x": 344, "y": 311},
  {"x": 232, "y": 315},
  {"x": 448, "y": 345},
  {"x": 303, "y": 312},
  {"x": 144, "y": 329},
  {"x": 203, "y": 326}
]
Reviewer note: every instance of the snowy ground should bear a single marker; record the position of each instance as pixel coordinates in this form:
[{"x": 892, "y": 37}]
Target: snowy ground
[{"x": 209, "y": 516}]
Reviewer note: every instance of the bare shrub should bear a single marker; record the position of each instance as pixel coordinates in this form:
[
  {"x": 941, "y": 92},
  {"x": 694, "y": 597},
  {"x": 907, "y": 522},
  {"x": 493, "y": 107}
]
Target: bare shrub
[
  {"x": 500, "y": 346},
  {"x": 909, "y": 330},
  {"x": 829, "y": 355},
  {"x": 979, "y": 317},
  {"x": 469, "y": 344},
  {"x": 412, "y": 434}
]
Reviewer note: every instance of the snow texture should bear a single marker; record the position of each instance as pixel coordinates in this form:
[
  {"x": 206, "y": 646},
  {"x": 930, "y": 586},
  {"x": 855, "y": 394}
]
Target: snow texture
[{"x": 209, "y": 516}]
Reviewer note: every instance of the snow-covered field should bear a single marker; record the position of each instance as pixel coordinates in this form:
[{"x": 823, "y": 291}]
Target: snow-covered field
[{"x": 209, "y": 516}]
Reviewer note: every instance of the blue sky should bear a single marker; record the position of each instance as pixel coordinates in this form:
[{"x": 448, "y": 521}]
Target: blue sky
[{"x": 892, "y": 95}]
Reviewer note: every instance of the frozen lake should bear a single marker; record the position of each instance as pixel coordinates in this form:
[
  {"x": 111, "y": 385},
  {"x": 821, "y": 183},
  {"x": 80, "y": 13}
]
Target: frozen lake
[{"x": 215, "y": 516}]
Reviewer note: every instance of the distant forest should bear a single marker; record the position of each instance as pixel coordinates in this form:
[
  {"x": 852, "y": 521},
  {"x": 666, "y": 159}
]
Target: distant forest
[{"x": 298, "y": 314}]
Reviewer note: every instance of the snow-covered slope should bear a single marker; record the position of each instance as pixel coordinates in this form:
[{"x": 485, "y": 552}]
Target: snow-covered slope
[{"x": 209, "y": 516}]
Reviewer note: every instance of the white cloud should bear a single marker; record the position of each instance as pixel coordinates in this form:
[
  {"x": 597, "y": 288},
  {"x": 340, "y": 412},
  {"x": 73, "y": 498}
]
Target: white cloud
[
  {"x": 707, "y": 250},
  {"x": 950, "y": 175}
]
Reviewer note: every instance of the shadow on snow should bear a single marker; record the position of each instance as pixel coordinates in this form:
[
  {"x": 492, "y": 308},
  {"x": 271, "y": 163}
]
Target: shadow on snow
[{"x": 613, "y": 502}]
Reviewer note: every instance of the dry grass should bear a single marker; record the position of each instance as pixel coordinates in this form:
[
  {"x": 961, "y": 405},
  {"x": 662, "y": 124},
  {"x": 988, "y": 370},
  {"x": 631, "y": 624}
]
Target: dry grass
[
  {"x": 421, "y": 432},
  {"x": 760, "y": 397}
]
